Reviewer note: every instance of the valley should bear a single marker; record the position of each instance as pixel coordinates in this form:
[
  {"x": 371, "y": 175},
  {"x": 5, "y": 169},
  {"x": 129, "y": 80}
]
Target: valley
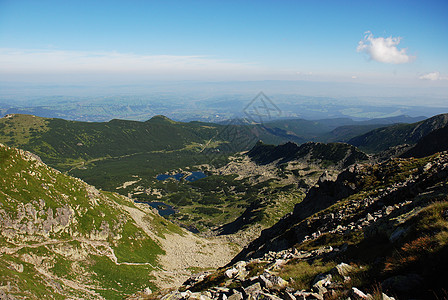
[{"x": 267, "y": 217}]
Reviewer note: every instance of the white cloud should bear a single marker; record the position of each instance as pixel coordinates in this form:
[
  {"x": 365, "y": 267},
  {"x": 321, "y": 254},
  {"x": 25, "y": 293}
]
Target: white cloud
[
  {"x": 433, "y": 76},
  {"x": 384, "y": 49}
]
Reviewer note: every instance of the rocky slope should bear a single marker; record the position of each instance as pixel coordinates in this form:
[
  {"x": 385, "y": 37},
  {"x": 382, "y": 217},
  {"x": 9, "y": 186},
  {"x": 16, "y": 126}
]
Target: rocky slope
[
  {"x": 375, "y": 230},
  {"x": 62, "y": 238},
  {"x": 436, "y": 141},
  {"x": 338, "y": 155}
]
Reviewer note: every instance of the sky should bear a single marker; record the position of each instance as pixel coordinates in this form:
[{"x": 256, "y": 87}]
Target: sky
[{"x": 378, "y": 43}]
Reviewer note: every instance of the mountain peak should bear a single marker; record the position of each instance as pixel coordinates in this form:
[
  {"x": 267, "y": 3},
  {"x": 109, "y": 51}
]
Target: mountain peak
[{"x": 161, "y": 119}]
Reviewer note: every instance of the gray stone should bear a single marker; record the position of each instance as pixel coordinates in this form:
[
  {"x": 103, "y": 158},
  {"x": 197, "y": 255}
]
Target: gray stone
[
  {"x": 321, "y": 282},
  {"x": 302, "y": 293},
  {"x": 357, "y": 294},
  {"x": 5, "y": 296},
  {"x": 270, "y": 296},
  {"x": 342, "y": 269},
  {"x": 386, "y": 297},
  {"x": 398, "y": 234},
  {"x": 316, "y": 296},
  {"x": 147, "y": 291},
  {"x": 254, "y": 289},
  {"x": 173, "y": 296},
  {"x": 241, "y": 264},
  {"x": 266, "y": 282},
  {"x": 279, "y": 283},
  {"x": 230, "y": 273},
  {"x": 236, "y": 296}
]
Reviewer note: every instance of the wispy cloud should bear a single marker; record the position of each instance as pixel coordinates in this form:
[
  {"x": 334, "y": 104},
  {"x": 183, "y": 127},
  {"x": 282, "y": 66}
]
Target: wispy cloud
[
  {"x": 384, "y": 50},
  {"x": 58, "y": 61},
  {"x": 433, "y": 76}
]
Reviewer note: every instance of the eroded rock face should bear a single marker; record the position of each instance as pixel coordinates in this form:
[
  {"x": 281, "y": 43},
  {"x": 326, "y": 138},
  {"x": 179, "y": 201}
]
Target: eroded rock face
[{"x": 33, "y": 220}]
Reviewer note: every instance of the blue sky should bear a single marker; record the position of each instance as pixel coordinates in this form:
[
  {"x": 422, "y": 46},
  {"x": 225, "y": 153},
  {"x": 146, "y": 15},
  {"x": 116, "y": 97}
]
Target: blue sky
[{"x": 372, "y": 42}]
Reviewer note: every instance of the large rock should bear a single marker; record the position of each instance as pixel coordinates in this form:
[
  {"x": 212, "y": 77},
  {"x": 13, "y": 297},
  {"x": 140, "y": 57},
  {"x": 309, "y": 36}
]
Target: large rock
[
  {"x": 403, "y": 283},
  {"x": 342, "y": 269},
  {"x": 321, "y": 282},
  {"x": 236, "y": 296},
  {"x": 230, "y": 273},
  {"x": 253, "y": 290}
]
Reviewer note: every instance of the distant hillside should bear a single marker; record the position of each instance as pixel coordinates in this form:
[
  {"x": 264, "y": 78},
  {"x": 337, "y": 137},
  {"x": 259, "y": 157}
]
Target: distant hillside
[
  {"x": 380, "y": 139},
  {"x": 347, "y": 132},
  {"x": 436, "y": 141},
  {"x": 56, "y": 139},
  {"x": 334, "y": 130},
  {"x": 107, "y": 154}
]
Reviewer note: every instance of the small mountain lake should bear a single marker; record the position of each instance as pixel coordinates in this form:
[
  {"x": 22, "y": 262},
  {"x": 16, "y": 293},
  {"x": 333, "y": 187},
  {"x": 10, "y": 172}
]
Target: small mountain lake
[
  {"x": 163, "y": 208},
  {"x": 192, "y": 177}
]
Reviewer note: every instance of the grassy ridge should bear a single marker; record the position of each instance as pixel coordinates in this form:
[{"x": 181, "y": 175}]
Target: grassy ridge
[{"x": 107, "y": 154}]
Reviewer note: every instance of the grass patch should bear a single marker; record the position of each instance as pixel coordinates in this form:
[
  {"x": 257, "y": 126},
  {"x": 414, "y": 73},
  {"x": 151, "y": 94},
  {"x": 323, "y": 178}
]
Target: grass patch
[
  {"x": 136, "y": 247},
  {"x": 117, "y": 282},
  {"x": 332, "y": 239},
  {"x": 303, "y": 273}
]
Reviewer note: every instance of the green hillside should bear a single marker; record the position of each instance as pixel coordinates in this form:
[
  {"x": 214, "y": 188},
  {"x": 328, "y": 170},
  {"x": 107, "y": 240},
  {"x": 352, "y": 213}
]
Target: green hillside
[
  {"x": 62, "y": 238},
  {"x": 108, "y": 154},
  {"x": 382, "y": 138}
]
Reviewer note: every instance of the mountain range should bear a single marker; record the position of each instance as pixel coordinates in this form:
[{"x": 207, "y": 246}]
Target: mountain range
[{"x": 312, "y": 220}]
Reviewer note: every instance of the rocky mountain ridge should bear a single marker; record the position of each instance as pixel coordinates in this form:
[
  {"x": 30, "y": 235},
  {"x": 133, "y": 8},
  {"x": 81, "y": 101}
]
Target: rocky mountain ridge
[
  {"x": 436, "y": 141},
  {"x": 340, "y": 155}
]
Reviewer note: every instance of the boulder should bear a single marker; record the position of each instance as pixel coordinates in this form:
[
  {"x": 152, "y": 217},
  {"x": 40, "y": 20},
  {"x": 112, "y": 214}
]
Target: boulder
[
  {"x": 397, "y": 234},
  {"x": 253, "y": 290},
  {"x": 270, "y": 281},
  {"x": 403, "y": 283},
  {"x": 342, "y": 269},
  {"x": 321, "y": 282},
  {"x": 147, "y": 291},
  {"x": 236, "y": 296},
  {"x": 230, "y": 273},
  {"x": 357, "y": 294}
]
